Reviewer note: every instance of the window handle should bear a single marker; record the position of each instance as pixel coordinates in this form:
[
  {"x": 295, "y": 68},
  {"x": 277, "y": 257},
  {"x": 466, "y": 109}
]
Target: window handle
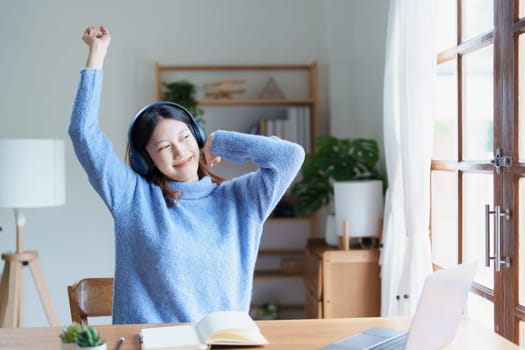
[{"x": 497, "y": 237}]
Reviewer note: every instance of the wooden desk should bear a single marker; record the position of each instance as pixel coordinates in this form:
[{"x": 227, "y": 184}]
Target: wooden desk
[{"x": 283, "y": 334}]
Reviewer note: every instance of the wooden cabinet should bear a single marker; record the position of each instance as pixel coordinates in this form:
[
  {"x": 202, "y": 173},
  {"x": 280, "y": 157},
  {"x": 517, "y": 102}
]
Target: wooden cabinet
[
  {"x": 279, "y": 269},
  {"x": 341, "y": 283}
]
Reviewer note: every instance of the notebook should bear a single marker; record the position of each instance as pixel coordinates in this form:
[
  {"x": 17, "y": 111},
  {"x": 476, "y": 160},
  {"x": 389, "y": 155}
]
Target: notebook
[{"x": 435, "y": 322}]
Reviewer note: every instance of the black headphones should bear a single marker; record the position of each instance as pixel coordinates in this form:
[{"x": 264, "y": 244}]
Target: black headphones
[{"x": 142, "y": 165}]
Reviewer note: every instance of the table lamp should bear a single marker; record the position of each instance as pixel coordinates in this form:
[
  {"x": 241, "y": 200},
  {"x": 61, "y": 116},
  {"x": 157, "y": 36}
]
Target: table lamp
[{"x": 32, "y": 175}]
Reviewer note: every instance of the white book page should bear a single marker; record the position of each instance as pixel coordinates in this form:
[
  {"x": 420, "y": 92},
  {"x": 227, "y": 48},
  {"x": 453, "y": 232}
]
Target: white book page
[
  {"x": 171, "y": 337},
  {"x": 230, "y": 327}
]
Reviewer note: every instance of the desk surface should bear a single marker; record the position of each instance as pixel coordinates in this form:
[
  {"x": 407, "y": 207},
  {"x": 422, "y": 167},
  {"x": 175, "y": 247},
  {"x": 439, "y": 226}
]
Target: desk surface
[{"x": 282, "y": 334}]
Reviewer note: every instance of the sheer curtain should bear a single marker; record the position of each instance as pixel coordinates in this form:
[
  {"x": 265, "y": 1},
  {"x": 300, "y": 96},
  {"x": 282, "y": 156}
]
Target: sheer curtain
[{"x": 407, "y": 124}]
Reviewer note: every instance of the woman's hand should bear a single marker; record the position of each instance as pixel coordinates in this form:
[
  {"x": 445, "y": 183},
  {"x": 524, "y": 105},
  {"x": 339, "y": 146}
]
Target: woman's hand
[
  {"x": 209, "y": 157},
  {"x": 97, "y": 39}
]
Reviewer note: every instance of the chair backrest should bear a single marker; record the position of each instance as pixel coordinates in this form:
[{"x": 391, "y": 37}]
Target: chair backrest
[{"x": 90, "y": 297}]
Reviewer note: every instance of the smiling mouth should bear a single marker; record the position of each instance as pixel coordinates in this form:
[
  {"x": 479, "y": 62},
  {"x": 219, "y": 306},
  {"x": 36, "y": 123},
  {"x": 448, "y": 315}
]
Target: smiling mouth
[{"x": 185, "y": 163}]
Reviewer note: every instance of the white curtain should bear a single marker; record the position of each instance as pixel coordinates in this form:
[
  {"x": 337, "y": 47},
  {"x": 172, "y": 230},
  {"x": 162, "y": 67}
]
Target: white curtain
[{"x": 407, "y": 124}]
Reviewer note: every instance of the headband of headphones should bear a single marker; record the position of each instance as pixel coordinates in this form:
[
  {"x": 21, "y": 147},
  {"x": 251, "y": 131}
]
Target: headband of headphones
[{"x": 138, "y": 162}]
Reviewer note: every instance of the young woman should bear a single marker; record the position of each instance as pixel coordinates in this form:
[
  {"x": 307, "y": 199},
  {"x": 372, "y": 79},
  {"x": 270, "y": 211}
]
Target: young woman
[{"x": 185, "y": 243}]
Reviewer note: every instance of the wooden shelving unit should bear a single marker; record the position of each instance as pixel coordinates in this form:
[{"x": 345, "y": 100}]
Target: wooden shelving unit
[
  {"x": 309, "y": 73},
  {"x": 310, "y": 69},
  {"x": 276, "y": 274},
  {"x": 255, "y": 102}
]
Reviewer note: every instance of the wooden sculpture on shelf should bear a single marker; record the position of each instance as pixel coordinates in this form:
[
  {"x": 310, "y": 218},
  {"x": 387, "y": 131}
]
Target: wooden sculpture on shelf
[{"x": 223, "y": 89}]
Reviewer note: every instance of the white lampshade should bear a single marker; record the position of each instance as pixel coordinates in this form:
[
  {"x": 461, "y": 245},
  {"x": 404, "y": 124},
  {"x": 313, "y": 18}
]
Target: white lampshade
[
  {"x": 361, "y": 204},
  {"x": 32, "y": 173}
]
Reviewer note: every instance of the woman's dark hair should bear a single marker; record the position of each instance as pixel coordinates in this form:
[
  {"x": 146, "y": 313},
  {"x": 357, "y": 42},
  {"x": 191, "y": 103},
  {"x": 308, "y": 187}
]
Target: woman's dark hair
[{"x": 139, "y": 136}]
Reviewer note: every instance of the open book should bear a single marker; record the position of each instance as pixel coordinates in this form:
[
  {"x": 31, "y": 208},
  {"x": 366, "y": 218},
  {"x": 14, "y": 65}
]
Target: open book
[{"x": 217, "y": 328}]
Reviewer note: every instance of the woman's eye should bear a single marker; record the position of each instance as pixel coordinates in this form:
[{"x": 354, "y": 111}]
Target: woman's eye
[{"x": 164, "y": 147}]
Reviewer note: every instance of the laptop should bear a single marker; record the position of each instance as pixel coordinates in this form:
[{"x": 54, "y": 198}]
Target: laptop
[{"x": 438, "y": 313}]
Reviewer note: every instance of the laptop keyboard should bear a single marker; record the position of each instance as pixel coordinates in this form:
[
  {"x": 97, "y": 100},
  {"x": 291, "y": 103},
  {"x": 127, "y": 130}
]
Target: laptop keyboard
[{"x": 397, "y": 343}]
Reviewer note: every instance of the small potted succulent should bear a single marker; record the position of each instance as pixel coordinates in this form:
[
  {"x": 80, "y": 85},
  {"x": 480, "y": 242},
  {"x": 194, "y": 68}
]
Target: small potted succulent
[
  {"x": 69, "y": 336},
  {"x": 90, "y": 339}
]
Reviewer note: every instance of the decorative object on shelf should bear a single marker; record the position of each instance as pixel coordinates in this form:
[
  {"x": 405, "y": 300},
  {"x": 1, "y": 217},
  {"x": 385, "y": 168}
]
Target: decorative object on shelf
[
  {"x": 223, "y": 89},
  {"x": 183, "y": 92},
  {"x": 292, "y": 266},
  {"x": 336, "y": 160},
  {"x": 271, "y": 90},
  {"x": 266, "y": 311},
  {"x": 90, "y": 339},
  {"x": 69, "y": 336},
  {"x": 32, "y": 176}
]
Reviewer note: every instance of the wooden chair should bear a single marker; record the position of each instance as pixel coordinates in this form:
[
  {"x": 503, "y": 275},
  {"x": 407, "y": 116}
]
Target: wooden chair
[{"x": 90, "y": 297}]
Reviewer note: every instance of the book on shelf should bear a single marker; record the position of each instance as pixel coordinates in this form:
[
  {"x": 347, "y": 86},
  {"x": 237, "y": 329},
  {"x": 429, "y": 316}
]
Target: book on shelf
[
  {"x": 298, "y": 126},
  {"x": 293, "y": 126},
  {"x": 234, "y": 328}
]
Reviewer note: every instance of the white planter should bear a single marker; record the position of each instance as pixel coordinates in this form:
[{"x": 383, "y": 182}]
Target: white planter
[
  {"x": 99, "y": 347},
  {"x": 68, "y": 346},
  {"x": 361, "y": 203}
]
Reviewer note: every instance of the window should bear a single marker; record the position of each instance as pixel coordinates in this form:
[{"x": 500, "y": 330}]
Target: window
[{"x": 479, "y": 77}]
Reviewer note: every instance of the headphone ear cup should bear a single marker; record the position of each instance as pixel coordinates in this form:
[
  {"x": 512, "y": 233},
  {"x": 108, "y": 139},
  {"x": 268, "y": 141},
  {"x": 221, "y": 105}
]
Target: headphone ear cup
[
  {"x": 200, "y": 136},
  {"x": 138, "y": 163}
]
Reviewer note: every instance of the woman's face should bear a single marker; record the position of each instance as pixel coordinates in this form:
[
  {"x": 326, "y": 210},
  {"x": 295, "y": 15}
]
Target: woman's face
[{"x": 174, "y": 150}]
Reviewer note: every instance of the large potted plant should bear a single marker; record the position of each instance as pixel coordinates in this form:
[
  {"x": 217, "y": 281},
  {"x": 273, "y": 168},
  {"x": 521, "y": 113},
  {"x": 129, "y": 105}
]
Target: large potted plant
[{"x": 341, "y": 163}]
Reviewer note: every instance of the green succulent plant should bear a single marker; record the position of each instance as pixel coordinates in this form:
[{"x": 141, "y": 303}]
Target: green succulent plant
[
  {"x": 89, "y": 336},
  {"x": 70, "y": 333},
  {"x": 333, "y": 160}
]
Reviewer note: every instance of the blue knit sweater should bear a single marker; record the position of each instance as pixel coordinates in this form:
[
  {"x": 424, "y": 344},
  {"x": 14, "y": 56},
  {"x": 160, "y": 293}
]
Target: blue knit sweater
[{"x": 179, "y": 264}]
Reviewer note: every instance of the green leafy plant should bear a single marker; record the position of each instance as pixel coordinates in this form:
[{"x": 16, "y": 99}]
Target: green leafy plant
[
  {"x": 70, "y": 333},
  {"x": 89, "y": 336},
  {"x": 266, "y": 311},
  {"x": 334, "y": 160},
  {"x": 183, "y": 93}
]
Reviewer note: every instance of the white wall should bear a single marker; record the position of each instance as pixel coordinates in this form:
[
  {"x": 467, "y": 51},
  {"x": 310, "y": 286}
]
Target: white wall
[
  {"x": 356, "y": 65},
  {"x": 42, "y": 53}
]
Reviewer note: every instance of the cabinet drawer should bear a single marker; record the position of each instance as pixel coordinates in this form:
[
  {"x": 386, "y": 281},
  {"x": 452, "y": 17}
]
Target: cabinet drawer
[{"x": 351, "y": 290}]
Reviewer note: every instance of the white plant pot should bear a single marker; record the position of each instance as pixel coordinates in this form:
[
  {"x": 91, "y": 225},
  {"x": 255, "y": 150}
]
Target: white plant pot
[
  {"x": 361, "y": 203},
  {"x": 68, "y": 346},
  {"x": 98, "y": 347}
]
